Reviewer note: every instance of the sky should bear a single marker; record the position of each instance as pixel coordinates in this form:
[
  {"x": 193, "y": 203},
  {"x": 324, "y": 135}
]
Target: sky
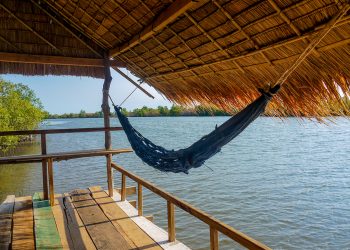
[{"x": 69, "y": 94}]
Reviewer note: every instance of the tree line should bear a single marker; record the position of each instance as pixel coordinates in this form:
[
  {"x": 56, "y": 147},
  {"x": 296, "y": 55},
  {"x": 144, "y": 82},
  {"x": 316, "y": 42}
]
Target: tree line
[
  {"x": 20, "y": 109},
  {"x": 145, "y": 111}
]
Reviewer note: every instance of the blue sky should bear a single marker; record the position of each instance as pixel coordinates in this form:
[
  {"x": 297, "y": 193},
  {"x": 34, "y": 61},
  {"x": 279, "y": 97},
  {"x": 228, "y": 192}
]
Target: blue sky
[{"x": 66, "y": 94}]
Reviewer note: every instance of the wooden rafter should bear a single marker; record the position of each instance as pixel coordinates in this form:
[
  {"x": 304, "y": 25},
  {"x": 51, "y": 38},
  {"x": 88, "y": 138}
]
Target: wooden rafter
[
  {"x": 228, "y": 15},
  {"x": 289, "y": 22},
  {"x": 344, "y": 21},
  {"x": 9, "y": 44},
  {"x": 213, "y": 41},
  {"x": 66, "y": 26},
  {"x": 266, "y": 48},
  {"x": 56, "y": 60},
  {"x": 73, "y": 20},
  {"x": 30, "y": 28},
  {"x": 175, "y": 9}
]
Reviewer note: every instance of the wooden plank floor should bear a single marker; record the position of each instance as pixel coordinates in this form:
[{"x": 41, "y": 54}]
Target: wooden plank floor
[
  {"x": 82, "y": 219},
  {"x": 6, "y": 211}
]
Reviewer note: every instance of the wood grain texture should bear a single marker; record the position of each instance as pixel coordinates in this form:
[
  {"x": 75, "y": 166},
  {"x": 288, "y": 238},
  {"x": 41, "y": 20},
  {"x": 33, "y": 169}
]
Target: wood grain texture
[
  {"x": 124, "y": 224},
  {"x": 23, "y": 224},
  {"x": 6, "y": 214},
  {"x": 101, "y": 230},
  {"x": 61, "y": 223},
  {"x": 46, "y": 233},
  {"x": 80, "y": 236}
]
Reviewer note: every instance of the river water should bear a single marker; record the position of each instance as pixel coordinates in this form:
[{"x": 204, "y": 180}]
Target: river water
[{"x": 284, "y": 182}]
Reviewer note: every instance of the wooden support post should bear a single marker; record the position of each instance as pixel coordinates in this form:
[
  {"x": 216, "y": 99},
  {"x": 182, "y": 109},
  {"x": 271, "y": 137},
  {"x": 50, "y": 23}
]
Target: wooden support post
[
  {"x": 123, "y": 190},
  {"x": 171, "y": 221},
  {"x": 44, "y": 166},
  {"x": 52, "y": 191},
  {"x": 214, "y": 239},
  {"x": 106, "y": 110},
  {"x": 139, "y": 199}
]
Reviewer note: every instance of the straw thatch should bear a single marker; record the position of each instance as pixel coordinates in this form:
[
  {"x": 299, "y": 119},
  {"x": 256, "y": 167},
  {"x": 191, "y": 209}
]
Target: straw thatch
[{"x": 217, "y": 52}]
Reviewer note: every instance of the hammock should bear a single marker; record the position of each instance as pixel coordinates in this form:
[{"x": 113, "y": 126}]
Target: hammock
[{"x": 195, "y": 155}]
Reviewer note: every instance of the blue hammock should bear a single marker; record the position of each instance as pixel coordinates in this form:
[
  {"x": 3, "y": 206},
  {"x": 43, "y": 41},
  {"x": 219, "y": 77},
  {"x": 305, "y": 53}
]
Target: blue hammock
[{"x": 195, "y": 155}]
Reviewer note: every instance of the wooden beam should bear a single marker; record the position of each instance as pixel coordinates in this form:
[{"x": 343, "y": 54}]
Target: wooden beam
[
  {"x": 177, "y": 8},
  {"x": 30, "y": 28},
  {"x": 171, "y": 221},
  {"x": 139, "y": 200},
  {"x": 214, "y": 239},
  {"x": 62, "y": 156},
  {"x": 65, "y": 25},
  {"x": 44, "y": 166},
  {"x": 56, "y": 60},
  {"x": 309, "y": 34},
  {"x": 106, "y": 121},
  {"x": 51, "y": 182},
  {"x": 58, "y": 131},
  {"x": 9, "y": 44},
  {"x": 133, "y": 82},
  {"x": 123, "y": 188}
]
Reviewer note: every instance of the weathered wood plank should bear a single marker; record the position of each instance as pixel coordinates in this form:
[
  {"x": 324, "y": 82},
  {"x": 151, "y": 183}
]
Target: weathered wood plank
[
  {"x": 61, "y": 223},
  {"x": 58, "y": 131},
  {"x": 46, "y": 233},
  {"x": 80, "y": 236},
  {"x": 102, "y": 232},
  {"x": 62, "y": 156},
  {"x": 122, "y": 222},
  {"x": 23, "y": 224},
  {"x": 6, "y": 214},
  {"x": 158, "y": 234},
  {"x": 56, "y": 60}
]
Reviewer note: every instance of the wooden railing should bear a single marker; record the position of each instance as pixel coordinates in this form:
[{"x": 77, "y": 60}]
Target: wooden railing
[
  {"x": 47, "y": 160},
  {"x": 42, "y": 158},
  {"x": 215, "y": 225}
]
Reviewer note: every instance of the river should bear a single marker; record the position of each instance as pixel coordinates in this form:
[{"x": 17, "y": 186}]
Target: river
[{"x": 284, "y": 182}]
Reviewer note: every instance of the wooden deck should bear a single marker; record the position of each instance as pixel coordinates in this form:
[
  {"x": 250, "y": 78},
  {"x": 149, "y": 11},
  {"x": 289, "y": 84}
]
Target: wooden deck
[{"x": 81, "y": 219}]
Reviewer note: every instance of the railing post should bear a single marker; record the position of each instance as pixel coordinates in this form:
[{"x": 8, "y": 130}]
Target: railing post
[
  {"x": 44, "y": 165},
  {"x": 106, "y": 121},
  {"x": 110, "y": 175},
  {"x": 171, "y": 221},
  {"x": 214, "y": 239},
  {"x": 52, "y": 192},
  {"x": 139, "y": 199},
  {"x": 123, "y": 189}
]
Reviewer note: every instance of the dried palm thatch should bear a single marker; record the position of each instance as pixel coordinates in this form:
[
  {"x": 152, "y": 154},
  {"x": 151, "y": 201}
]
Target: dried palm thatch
[{"x": 215, "y": 52}]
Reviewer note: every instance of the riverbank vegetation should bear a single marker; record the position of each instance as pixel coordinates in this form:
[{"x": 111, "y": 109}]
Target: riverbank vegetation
[
  {"x": 148, "y": 112},
  {"x": 182, "y": 111},
  {"x": 20, "y": 109}
]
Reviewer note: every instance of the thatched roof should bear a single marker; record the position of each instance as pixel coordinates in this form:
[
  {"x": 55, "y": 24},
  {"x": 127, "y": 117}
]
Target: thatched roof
[{"x": 210, "y": 52}]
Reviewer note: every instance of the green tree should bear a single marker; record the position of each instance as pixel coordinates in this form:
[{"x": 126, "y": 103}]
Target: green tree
[
  {"x": 175, "y": 110},
  {"x": 163, "y": 110},
  {"x": 19, "y": 110}
]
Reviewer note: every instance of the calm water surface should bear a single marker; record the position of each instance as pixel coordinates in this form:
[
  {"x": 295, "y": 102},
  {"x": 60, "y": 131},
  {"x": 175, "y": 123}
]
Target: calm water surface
[{"x": 285, "y": 183}]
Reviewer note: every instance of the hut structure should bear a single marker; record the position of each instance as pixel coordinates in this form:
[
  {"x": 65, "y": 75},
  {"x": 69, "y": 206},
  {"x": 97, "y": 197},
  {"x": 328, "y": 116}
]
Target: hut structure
[{"x": 212, "y": 52}]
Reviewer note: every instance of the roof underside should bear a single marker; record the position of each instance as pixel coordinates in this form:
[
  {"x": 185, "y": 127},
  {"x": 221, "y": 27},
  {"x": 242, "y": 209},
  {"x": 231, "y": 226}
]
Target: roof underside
[{"x": 215, "y": 52}]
